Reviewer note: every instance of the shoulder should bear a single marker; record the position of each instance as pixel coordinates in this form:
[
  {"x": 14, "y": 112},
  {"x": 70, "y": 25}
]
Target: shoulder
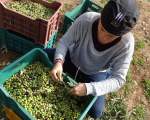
[
  {"x": 128, "y": 40},
  {"x": 88, "y": 17}
]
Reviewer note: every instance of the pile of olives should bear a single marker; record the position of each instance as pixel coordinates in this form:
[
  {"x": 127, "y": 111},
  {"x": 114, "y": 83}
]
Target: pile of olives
[
  {"x": 31, "y": 9},
  {"x": 44, "y": 98}
]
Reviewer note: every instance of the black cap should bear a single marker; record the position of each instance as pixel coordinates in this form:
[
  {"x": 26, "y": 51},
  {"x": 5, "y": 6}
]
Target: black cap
[{"x": 119, "y": 16}]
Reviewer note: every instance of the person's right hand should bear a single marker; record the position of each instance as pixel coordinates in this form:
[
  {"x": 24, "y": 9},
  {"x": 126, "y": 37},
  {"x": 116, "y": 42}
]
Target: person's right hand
[{"x": 56, "y": 72}]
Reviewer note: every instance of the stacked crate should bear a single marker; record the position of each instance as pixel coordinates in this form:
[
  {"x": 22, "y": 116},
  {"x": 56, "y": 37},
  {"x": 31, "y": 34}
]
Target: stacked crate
[
  {"x": 20, "y": 33},
  {"x": 39, "y": 30}
]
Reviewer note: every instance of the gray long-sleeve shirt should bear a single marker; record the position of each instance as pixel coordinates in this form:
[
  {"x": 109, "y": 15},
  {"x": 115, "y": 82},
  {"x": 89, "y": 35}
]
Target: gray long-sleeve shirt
[{"x": 78, "y": 40}]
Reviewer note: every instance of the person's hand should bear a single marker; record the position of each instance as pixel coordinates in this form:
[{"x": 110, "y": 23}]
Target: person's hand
[
  {"x": 79, "y": 90},
  {"x": 56, "y": 72}
]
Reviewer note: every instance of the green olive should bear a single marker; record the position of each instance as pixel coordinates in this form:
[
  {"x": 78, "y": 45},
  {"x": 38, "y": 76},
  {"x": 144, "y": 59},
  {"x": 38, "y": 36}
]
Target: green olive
[
  {"x": 31, "y": 9},
  {"x": 41, "y": 96}
]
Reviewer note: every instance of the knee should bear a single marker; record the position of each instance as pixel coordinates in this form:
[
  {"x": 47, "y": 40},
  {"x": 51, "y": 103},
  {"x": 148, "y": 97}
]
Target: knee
[
  {"x": 95, "y": 113},
  {"x": 97, "y": 109}
]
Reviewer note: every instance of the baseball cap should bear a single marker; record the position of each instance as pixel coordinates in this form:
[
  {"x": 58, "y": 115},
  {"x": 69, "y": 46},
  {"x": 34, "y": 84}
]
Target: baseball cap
[{"x": 119, "y": 16}]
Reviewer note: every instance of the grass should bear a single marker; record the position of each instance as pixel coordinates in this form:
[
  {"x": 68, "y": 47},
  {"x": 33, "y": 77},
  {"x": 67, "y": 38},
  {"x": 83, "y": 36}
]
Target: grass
[
  {"x": 147, "y": 88},
  {"x": 138, "y": 60},
  {"x": 115, "y": 108},
  {"x": 65, "y": 7},
  {"x": 139, "y": 45},
  {"x": 127, "y": 88},
  {"x": 137, "y": 113}
]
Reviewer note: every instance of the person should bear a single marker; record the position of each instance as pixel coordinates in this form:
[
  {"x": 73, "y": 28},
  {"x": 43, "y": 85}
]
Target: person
[{"x": 97, "y": 51}]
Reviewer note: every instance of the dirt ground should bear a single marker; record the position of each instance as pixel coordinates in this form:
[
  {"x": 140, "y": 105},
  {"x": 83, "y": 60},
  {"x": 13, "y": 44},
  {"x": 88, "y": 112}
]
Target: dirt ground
[{"x": 142, "y": 33}]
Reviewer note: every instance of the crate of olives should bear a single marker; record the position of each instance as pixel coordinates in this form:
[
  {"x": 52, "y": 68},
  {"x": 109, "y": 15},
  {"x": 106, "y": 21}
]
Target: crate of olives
[
  {"x": 35, "y": 19},
  {"x": 27, "y": 88}
]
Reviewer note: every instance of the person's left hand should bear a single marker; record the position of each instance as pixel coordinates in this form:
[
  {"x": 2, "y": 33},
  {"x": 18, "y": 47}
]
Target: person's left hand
[{"x": 79, "y": 90}]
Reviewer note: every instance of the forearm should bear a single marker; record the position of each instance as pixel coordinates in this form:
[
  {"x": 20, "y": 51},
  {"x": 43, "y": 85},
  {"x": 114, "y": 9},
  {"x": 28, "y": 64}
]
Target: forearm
[{"x": 104, "y": 87}]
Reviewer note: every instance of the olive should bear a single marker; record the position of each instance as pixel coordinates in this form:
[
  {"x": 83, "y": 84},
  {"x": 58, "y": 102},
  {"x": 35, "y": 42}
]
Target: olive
[{"x": 41, "y": 96}]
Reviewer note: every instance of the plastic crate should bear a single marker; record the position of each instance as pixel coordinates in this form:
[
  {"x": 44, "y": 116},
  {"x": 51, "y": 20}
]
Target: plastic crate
[
  {"x": 39, "y": 30},
  {"x": 52, "y": 41},
  {"x": 2, "y": 37},
  {"x": 6, "y": 73},
  {"x": 85, "y": 6},
  {"x": 20, "y": 44}
]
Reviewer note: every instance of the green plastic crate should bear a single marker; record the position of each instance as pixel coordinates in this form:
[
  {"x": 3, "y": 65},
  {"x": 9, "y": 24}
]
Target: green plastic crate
[
  {"x": 14, "y": 42},
  {"x": 85, "y": 6},
  {"x": 52, "y": 41},
  {"x": 21, "y": 44},
  {"x": 18, "y": 44},
  {"x": 7, "y": 72}
]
